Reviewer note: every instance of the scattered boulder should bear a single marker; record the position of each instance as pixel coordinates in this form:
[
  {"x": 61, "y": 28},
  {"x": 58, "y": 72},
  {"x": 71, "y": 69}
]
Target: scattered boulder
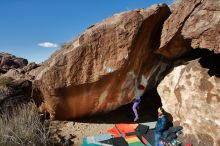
[
  {"x": 15, "y": 81},
  {"x": 29, "y": 67},
  {"x": 15, "y": 74},
  {"x": 8, "y": 61},
  {"x": 14, "y": 91},
  {"x": 16, "y": 67}
]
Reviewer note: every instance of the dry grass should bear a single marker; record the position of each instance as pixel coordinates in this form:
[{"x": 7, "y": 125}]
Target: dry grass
[
  {"x": 4, "y": 81},
  {"x": 22, "y": 126}
]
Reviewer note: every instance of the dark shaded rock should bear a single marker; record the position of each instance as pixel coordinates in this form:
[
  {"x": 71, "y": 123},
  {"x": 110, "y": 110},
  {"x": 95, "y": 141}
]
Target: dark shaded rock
[{"x": 15, "y": 92}]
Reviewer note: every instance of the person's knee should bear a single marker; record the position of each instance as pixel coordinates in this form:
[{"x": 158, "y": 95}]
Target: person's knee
[{"x": 134, "y": 106}]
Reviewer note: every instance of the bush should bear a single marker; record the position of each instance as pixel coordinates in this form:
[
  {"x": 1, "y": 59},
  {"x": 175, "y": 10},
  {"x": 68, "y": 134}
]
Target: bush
[
  {"x": 22, "y": 126},
  {"x": 5, "y": 81}
]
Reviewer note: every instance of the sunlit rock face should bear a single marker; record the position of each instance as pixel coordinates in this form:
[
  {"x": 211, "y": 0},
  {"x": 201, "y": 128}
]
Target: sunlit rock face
[
  {"x": 192, "y": 24},
  {"x": 93, "y": 73},
  {"x": 192, "y": 96}
]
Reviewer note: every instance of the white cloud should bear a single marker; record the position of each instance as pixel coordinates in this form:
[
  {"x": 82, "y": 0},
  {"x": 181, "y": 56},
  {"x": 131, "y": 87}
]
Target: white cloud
[{"x": 48, "y": 45}]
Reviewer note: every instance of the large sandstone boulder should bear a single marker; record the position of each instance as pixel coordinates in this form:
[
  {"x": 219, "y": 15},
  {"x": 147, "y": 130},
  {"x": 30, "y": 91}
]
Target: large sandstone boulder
[
  {"x": 192, "y": 96},
  {"x": 192, "y": 24},
  {"x": 94, "y": 72}
]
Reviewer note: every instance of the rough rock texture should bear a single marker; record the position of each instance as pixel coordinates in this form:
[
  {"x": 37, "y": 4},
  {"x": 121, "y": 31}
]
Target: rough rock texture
[
  {"x": 192, "y": 24},
  {"x": 8, "y": 61},
  {"x": 190, "y": 92},
  {"x": 192, "y": 96},
  {"x": 13, "y": 92},
  {"x": 15, "y": 81},
  {"x": 23, "y": 73},
  {"x": 29, "y": 67},
  {"x": 94, "y": 72}
]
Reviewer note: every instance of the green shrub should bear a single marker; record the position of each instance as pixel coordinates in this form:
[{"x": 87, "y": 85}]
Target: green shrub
[
  {"x": 5, "y": 81},
  {"x": 22, "y": 126}
]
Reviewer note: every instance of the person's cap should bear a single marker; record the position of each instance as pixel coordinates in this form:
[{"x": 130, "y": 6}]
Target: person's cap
[{"x": 160, "y": 110}]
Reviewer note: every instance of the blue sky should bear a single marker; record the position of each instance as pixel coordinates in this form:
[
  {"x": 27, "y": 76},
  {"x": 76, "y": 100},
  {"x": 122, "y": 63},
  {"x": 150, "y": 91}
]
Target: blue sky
[{"x": 34, "y": 29}]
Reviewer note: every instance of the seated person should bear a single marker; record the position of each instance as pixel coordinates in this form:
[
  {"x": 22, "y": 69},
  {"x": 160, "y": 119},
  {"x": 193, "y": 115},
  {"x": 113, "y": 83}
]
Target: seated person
[{"x": 160, "y": 126}]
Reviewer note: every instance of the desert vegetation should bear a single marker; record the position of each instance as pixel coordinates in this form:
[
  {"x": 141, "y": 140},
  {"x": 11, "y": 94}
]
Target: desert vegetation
[
  {"x": 23, "y": 125},
  {"x": 4, "y": 81}
]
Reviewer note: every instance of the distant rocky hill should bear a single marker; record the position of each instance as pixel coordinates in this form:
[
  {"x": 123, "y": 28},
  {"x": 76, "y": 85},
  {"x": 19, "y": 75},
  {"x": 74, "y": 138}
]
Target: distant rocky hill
[
  {"x": 15, "y": 81},
  {"x": 8, "y": 61}
]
